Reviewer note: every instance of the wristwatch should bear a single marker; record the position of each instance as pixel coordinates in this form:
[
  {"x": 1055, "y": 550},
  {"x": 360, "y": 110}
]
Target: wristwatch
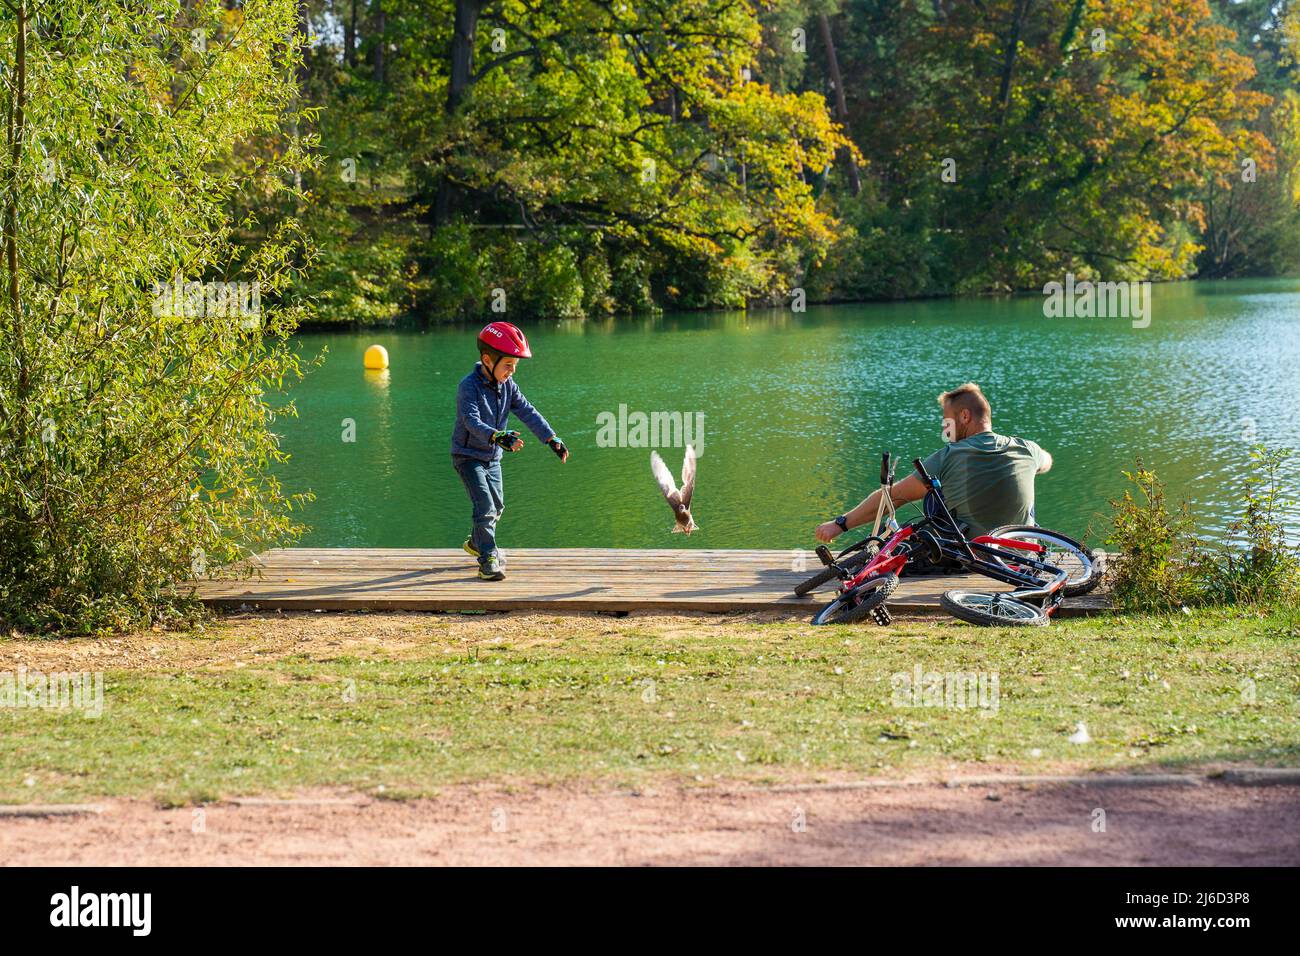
[{"x": 843, "y": 522}]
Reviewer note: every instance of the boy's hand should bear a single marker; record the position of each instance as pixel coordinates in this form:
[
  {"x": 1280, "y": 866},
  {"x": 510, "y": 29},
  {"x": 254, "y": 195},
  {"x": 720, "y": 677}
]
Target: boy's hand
[
  {"x": 828, "y": 531},
  {"x": 557, "y": 446},
  {"x": 510, "y": 441}
]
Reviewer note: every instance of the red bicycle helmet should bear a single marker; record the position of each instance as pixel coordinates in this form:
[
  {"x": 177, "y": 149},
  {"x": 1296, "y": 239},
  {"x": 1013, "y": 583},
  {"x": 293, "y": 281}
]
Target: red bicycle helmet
[{"x": 504, "y": 338}]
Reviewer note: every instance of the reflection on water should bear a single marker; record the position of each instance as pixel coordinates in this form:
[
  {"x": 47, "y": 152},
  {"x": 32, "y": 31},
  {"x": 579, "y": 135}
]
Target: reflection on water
[{"x": 797, "y": 409}]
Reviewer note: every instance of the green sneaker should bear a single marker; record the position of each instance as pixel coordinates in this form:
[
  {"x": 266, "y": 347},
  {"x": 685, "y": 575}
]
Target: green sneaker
[
  {"x": 470, "y": 549},
  {"x": 492, "y": 571}
]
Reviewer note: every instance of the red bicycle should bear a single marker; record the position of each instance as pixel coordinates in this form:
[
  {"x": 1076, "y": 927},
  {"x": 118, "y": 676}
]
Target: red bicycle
[{"x": 1044, "y": 567}]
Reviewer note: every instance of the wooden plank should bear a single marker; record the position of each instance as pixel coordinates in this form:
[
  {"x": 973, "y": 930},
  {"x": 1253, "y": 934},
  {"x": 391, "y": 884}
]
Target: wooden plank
[{"x": 587, "y": 579}]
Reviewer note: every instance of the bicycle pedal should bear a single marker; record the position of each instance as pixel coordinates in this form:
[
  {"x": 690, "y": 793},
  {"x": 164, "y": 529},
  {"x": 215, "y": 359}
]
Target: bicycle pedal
[{"x": 882, "y": 615}]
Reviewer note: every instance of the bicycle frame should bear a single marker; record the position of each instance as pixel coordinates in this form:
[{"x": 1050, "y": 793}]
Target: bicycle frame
[
  {"x": 886, "y": 515},
  {"x": 982, "y": 554},
  {"x": 886, "y": 506}
]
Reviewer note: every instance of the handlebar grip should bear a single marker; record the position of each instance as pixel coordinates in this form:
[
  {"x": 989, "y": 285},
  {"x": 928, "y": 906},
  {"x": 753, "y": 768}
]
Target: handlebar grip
[
  {"x": 884, "y": 468},
  {"x": 920, "y": 470}
]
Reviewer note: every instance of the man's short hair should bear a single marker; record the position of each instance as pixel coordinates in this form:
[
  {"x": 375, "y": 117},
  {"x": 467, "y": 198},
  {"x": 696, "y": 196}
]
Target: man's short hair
[{"x": 969, "y": 397}]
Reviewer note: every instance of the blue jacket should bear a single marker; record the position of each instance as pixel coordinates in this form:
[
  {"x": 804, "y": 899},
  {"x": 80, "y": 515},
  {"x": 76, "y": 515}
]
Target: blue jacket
[{"x": 482, "y": 407}]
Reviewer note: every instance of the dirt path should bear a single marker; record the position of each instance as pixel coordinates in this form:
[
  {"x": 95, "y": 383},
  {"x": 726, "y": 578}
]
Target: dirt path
[{"x": 1215, "y": 824}]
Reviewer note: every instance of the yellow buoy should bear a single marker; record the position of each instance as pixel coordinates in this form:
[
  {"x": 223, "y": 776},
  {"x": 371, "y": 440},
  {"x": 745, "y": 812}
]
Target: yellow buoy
[{"x": 376, "y": 357}]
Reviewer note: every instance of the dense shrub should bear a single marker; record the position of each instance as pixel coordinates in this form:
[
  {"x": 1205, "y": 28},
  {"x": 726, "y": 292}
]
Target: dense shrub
[
  {"x": 1161, "y": 564},
  {"x": 1155, "y": 550},
  {"x": 134, "y": 425},
  {"x": 1260, "y": 567}
]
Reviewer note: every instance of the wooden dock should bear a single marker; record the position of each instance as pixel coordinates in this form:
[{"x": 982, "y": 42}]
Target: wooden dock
[{"x": 560, "y": 579}]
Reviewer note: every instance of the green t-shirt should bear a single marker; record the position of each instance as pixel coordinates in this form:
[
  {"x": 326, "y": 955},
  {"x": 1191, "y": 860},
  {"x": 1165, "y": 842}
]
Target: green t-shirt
[{"x": 988, "y": 479}]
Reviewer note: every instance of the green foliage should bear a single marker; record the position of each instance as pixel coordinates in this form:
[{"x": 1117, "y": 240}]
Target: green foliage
[
  {"x": 687, "y": 145},
  {"x": 1252, "y": 220},
  {"x": 751, "y": 699},
  {"x": 549, "y": 283},
  {"x": 360, "y": 274},
  {"x": 630, "y": 283},
  {"x": 890, "y": 253},
  {"x": 1162, "y": 565},
  {"x": 136, "y": 435},
  {"x": 1265, "y": 570},
  {"x": 596, "y": 282},
  {"x": 594, "y": 159},
  {"x": 458, "y": 279},
  {"x": 629, "y": 135},
  {"x": 1065, "y": 149},
  {"x": 353, "y": 200},
  {"x": 564, "y": 280},
  {"x": 1155, "y": 550}
]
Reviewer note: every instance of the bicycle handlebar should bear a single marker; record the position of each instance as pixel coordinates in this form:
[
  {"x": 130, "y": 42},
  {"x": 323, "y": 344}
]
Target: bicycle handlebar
[
  {"x": 920, "y": 470},
  {"x": 884, "y": 468}
]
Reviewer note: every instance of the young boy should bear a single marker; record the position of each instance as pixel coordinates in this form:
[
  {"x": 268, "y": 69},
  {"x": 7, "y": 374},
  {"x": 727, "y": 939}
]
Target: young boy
[{"x": 484, "y": 401}]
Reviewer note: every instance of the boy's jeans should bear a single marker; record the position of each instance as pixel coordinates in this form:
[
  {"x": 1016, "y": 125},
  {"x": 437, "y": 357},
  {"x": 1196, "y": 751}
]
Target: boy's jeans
[{"x": 483, "y": 482}]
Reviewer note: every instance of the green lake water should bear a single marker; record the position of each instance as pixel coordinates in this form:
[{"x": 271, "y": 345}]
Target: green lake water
[{"x": 796, "y": 409}]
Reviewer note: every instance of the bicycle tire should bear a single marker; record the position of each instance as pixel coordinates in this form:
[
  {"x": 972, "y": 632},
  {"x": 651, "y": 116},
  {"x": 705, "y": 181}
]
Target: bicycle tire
[
  {"x": 1090, "y": 573},
  {"x": 860, "y": 602},
  {"x": 968, "y": 606},
  {"x": 855, "y": 560}
]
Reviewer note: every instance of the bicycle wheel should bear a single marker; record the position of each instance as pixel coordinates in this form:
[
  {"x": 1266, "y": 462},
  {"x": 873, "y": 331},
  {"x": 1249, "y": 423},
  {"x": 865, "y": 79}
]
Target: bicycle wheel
[
  {"x": 855, "y": 560},
  {"x": 1065, "y": 553},
  {"x": 858, "y": 603},
  {"x": 991, "y": 610}
]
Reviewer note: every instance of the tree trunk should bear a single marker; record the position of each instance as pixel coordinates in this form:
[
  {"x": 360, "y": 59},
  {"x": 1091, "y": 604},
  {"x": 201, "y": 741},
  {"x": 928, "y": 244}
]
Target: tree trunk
[
  {"x": 841, "y": 107},
  {"x": 458, "y": 86},
  {"x": 350, "y": 37},
  {"x": 462, "y": 52},
  {"x": 301, "y": 26},
  {"x": 1009, "y": 57},
  {"x": 377, "y": 53}
]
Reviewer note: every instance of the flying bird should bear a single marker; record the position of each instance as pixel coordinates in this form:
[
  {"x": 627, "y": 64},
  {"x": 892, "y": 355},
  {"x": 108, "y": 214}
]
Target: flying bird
[{"x": 678, "y": 500}]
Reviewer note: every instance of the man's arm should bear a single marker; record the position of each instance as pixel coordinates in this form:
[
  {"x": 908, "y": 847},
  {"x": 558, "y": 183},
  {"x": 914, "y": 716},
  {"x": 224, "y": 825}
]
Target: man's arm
[
  {"x": 908, "y": 489},
  {"x": 1043, "y": 457}
]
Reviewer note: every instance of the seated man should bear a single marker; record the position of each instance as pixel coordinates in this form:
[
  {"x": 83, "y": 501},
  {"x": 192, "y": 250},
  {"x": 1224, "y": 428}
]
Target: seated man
[{"x": 987, "y": 479}]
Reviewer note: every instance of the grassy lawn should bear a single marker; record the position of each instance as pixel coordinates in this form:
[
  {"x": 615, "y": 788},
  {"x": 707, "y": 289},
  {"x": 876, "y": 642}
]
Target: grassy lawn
[{"x": 411, "y": 702}]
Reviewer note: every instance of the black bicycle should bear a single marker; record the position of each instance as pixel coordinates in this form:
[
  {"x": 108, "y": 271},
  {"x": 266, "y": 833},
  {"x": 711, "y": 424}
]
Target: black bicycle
[{"x": 1043, "y": 567}]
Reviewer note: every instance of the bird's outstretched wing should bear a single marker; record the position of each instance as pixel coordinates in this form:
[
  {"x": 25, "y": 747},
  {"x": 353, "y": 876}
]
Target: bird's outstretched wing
[
  {"x": 665, "y": 479},
  {"x": 688, "y": 476}
]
